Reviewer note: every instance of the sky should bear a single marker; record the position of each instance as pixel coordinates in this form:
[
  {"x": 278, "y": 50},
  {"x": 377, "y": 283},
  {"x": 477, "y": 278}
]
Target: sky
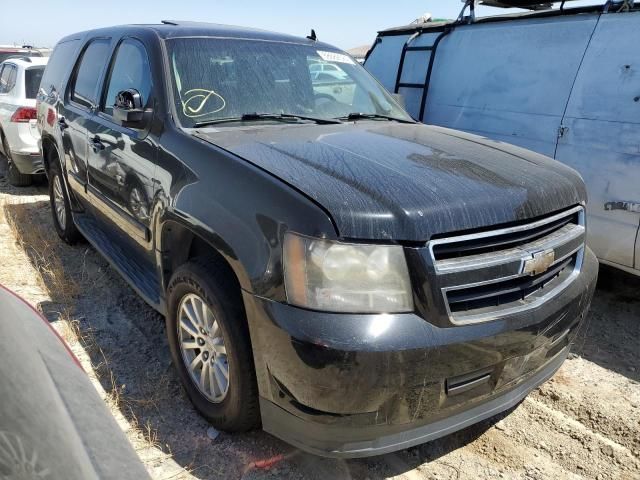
[{"x": 343, "y": 23}]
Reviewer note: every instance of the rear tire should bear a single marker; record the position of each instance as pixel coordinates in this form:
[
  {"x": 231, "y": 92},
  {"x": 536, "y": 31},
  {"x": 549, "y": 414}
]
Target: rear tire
[
  {"x": 14, "y": 176},
  {"x": 60, "y": 207},
  {"x": 236, "y": 407}
]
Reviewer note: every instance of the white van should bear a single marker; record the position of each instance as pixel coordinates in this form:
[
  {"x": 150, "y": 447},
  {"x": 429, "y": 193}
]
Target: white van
[{"x": 564, "y": 82}]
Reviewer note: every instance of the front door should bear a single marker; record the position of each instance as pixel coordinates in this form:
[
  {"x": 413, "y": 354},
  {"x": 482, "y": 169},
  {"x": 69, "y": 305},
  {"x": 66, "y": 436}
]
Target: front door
[
  {"x": 600, "y": 137},
  {"x": 121, "y": 159}
]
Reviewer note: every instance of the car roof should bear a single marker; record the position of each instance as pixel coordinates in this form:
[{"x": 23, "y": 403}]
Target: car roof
[
  {"x": 27, "y": 62},
  {"x": 178, "y": 28}
]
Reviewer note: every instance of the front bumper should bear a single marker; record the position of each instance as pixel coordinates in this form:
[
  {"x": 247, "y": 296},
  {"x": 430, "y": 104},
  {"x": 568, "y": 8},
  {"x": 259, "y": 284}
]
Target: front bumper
[{"x": 360, "y": 385}]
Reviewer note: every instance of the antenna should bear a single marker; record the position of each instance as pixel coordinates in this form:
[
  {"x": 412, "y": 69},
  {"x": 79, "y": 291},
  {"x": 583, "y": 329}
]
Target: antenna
[{"x": 313, "y": 36}]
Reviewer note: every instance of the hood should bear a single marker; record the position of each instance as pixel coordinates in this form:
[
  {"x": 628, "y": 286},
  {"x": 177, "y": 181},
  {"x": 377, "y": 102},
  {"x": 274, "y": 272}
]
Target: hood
[{"x": 405, "y": 182}]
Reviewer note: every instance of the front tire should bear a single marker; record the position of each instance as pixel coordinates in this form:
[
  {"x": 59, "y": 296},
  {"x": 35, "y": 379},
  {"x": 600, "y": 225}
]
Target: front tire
[
  {"x": 210, "y": 345},
  {"x": 60, "y": 206}
]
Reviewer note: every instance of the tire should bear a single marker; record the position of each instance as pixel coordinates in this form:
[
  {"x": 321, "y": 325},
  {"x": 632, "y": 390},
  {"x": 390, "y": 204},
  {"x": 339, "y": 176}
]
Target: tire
[
  {"x": 208, "y": 280},
  {"x": 66, "y": 229},
  {"x": 14, "y": 176}
]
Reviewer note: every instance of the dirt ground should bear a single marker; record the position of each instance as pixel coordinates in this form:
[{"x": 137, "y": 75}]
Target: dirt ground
[{"x": 584, "y": 423}]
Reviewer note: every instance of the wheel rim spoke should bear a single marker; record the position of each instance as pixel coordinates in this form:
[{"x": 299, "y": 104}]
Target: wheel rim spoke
[
  {"x": 214, "y": 329},
  {"x": 206, "y": 316},
  {"x": 224, "y": 369},
  {"x": 190, "y": 345},
  {"x": 219, "y": 377},
  {"x": 188, "y": 327},
  {"x": 189, "y": 312},
  {"x": 195, "y": 362},
  {"x": 204, "y": 374}
]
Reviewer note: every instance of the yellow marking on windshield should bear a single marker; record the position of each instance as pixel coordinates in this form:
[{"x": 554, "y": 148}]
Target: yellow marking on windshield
[{"x": 196, "y": 99}]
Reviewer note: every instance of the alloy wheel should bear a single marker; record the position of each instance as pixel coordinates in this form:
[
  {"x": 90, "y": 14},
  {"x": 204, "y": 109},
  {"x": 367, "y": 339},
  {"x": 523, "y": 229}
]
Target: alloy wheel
[{"x": 203, "y": 349}]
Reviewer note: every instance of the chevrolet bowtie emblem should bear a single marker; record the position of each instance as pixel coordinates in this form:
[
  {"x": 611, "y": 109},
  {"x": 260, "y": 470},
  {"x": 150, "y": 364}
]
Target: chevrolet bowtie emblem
[{"x": 539, "y": 262}]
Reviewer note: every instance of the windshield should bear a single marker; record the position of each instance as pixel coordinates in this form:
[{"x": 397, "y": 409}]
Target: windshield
[{"x": 227, "y": 78}]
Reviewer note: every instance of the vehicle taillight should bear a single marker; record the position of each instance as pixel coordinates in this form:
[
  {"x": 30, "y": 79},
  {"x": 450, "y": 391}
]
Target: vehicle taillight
[{"x": 23, "y": 114}]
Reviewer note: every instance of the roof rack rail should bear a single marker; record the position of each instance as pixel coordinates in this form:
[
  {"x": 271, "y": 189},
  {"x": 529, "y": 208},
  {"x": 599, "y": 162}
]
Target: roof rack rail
[
  {"x": 625, "y": 5},
  {"x": 529, "y": 5},
  {"x": 169, "y": 22}
]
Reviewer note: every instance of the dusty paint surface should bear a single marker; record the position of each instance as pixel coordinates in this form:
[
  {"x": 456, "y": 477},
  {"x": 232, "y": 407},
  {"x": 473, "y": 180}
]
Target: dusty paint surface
[{"x": 406, "y": 182}]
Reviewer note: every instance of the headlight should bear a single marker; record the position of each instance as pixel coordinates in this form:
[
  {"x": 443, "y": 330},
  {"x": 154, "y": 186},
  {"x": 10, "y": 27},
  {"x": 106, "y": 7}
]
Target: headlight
[{"x": 342, "y": 277}]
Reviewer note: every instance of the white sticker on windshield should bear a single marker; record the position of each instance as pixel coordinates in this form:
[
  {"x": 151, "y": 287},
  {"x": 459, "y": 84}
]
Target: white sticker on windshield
[{"x": 335, "y": 57}]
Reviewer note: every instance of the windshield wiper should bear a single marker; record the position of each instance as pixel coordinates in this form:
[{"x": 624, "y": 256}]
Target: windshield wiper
[
  {"x": 373, "y": 116},
  {"x": 247, "y": 117}
]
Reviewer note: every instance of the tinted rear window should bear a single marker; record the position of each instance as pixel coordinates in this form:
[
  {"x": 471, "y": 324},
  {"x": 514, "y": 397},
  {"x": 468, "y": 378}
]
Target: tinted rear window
[
  {"x": 59, "y": 65},
  {"x": 93, "y": 61},
  {"x": 32, "y": 78}
]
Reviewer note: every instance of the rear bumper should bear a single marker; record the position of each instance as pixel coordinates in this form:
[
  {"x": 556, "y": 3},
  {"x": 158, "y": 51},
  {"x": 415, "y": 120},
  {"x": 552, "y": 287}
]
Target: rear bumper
[
  {"x": 28, "y": 163},
  {"x": 360, "y": 385}
]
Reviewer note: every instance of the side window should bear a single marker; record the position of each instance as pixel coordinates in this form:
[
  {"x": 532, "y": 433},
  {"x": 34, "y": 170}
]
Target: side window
[
  {"x": 58, "y": 66},
  {"x": 4, "y": 78},
  {"x": 12, "y": 78},
  {"x": 88, "y": 72},
  {"x": 130, "y": 69},
  {"x": 8, "y": 78}
]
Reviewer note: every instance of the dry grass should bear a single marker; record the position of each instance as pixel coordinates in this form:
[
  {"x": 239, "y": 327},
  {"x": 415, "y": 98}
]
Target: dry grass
[
  {"x": 42, "y": 248},
  {"x": 69, "y": 328}
]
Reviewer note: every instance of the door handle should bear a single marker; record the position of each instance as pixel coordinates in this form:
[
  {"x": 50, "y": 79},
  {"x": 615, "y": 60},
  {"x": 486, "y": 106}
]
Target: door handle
[
  {"x": 96, "y": 144},
  {"x": 626, "y": 206},
  {"x": 62, "y": 123}
]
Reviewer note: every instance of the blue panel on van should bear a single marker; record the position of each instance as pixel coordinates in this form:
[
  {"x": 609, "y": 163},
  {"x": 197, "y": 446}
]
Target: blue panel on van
[
  {"x": 384, "y": 59},
  {"x": 509, "y": 80}
]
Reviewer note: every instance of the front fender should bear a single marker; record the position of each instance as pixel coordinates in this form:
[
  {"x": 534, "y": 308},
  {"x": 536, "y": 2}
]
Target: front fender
[{"x": 240, "y": 210}]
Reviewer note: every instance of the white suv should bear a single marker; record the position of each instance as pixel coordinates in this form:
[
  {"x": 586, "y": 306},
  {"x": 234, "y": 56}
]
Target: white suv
[
  {"x": 328, "y": 68},
  {"x": 19, "y": 83}
]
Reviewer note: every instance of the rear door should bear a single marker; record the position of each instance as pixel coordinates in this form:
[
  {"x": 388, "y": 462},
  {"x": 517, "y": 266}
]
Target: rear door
[
  {"x": 601, "y": 137},
  {"x": 79, "y": 106}
]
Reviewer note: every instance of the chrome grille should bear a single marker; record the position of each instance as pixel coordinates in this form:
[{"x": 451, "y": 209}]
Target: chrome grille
[{"x": 486, "y": 275}]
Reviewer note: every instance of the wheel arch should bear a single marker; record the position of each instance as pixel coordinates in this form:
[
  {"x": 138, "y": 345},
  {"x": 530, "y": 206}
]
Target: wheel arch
[
  {"x": 49, "y": 145},
  {"x": 180, "y": 243}
]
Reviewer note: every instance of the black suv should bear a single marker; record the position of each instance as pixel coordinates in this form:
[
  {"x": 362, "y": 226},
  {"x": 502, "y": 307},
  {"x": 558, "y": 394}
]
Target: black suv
[{"x": 356, "y": 281}]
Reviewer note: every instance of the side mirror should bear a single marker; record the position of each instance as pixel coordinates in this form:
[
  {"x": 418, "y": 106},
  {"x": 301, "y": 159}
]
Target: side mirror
[{"x": 128, "y": 110}]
